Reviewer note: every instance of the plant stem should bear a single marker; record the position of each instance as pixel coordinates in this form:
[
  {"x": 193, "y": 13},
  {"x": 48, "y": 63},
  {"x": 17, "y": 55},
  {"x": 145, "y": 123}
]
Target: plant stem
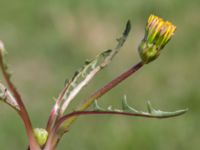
[
  {"x": 54, "y": 115},
  {"x": 90, "y": 70},
  {"x": 79, "y": 113},
  {"x": 105, "y": 89},
  {"x": 92, "y": 98},
  {"x": 22, "y": 109},
  {"x": 109, "y": 86}
]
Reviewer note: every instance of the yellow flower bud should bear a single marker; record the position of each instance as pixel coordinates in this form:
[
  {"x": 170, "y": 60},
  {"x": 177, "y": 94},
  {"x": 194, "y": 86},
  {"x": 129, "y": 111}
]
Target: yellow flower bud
[{"x": 157, "y": 34}]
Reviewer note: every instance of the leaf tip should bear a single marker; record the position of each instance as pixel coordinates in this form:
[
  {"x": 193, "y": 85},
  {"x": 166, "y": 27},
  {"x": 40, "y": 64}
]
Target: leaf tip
[{"x": 128, "y": 28}]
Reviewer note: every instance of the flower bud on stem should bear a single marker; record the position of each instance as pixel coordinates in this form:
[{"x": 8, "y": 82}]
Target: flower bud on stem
[{"x": 157, "y": 34}]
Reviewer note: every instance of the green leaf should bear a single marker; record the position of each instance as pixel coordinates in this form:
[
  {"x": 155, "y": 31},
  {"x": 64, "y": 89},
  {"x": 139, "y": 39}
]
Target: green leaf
[
  {"x": 91, "y": 67},
  {"x": 160, "y": 113},
  {"x": 127, "y": 29},
  {"x": 152, "y": 112}
]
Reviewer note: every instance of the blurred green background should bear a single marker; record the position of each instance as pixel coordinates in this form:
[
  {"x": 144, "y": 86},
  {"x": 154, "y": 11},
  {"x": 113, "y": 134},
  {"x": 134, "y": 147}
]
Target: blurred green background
[{"x": 48, "y": 40}]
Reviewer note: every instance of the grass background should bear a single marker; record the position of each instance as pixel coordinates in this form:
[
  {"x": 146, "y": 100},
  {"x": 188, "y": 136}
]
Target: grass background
[{"x": 48, "y": 40}]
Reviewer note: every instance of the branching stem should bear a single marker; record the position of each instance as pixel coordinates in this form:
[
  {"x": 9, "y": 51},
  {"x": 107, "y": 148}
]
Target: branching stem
[
  {"x": 22, "y": 110},
  {"x": 56, "y": 135}
]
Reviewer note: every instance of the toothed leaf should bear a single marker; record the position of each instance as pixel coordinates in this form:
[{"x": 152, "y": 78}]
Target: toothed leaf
[
  {"x": 150, "y": 113},
  {"x": 82, "y": 77}
]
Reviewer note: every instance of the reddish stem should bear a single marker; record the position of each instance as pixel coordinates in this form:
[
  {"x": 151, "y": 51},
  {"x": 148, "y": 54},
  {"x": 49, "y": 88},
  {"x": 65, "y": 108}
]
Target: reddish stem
[
  {"x": 78, "y": 113},
  {"x": 22, "y": 112},
  {"x": 53, "y": 136},
  {"x": 110, "y": 85},
  {"x": 55, "y": 113}
]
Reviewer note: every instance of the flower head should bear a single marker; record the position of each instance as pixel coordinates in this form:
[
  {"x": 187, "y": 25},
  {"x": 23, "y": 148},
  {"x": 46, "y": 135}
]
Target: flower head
[{"x": 157, "y": 34}]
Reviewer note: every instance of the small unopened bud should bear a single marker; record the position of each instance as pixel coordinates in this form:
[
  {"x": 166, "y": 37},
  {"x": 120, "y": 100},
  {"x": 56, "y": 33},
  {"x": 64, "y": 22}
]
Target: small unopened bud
[
  {"x": 157, "y": 34},
  {"x": 41, "y": 136}
]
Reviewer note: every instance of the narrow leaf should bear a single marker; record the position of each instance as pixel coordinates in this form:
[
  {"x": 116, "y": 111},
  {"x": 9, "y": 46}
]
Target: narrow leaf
[{"x": 91, "y": 68}]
